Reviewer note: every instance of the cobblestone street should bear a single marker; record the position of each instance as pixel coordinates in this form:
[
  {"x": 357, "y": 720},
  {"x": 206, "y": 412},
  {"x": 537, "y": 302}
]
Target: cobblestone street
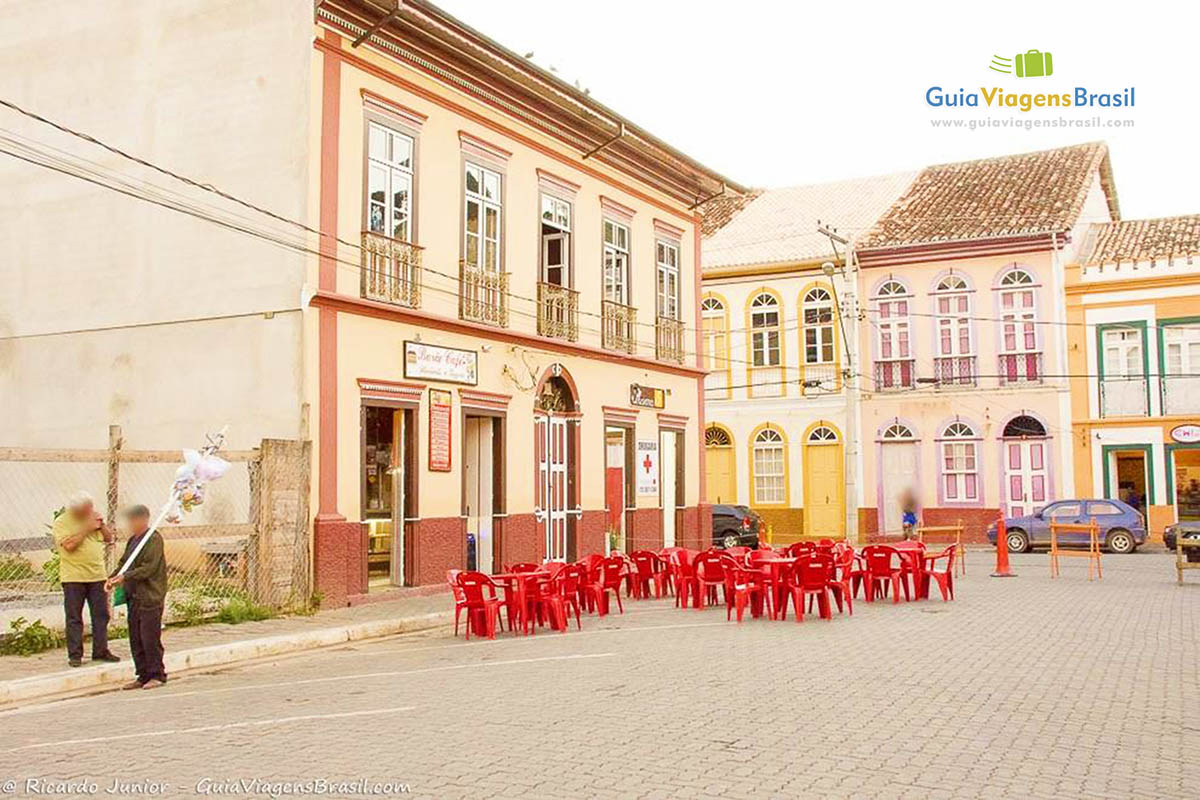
[{"x": 1028, "y": 687}]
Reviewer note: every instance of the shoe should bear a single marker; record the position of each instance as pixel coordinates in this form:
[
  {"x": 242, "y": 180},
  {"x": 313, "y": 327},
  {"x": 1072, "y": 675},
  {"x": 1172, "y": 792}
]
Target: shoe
[
  {"x": 154, "y": 683},
  {"x": 75, "y": 662},
  {"x": 132, "y": 685},
  {"x": 110, "y": 657}
]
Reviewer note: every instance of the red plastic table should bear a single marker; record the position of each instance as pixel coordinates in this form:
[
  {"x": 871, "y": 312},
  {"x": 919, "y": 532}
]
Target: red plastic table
[
  {"x": 771, "y": 569},
  {"x": 911, "y": 556},
  {"x": 516, "y": 590}
]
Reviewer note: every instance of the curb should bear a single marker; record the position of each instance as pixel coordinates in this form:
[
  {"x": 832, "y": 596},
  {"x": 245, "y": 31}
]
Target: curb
[{"x": 82, "y": 679}]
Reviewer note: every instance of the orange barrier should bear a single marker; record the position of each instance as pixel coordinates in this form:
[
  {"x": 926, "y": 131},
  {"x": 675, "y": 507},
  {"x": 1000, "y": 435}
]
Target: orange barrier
[
  {"x": 960, "y": 555},
  {"x": 1092, "y": 554},
  {"x": 1002, "y": 569}
]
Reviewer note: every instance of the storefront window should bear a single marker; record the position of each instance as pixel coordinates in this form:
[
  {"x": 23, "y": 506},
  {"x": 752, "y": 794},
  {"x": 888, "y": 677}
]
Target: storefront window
[{"x": 377, "y": 462}]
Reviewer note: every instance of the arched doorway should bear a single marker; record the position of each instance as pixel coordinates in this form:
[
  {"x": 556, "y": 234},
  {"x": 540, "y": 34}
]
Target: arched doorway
[
  {"x": 1026, "y": 459},
  {"x": 824, "y": 483},
  {"x": 556, "y": 452},
  {"x": 897, "y": 473},
  {"x": 720, "y": 466}
]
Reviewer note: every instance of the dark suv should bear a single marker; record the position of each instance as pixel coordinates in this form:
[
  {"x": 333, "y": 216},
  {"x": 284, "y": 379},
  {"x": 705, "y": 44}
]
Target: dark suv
[{"x": 735, "y": 526}]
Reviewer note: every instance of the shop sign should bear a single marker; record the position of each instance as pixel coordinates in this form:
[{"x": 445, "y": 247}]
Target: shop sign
[
  {"x": 440, "y": 406},
  {"x": 645, "y": 464},
  {"x": 447, "y": 364},
  {"x": 647, "y": 396},
  {"x": 1186, "y": 434}
]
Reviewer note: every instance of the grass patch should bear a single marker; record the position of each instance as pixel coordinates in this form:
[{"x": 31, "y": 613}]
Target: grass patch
[
  {"x": 27, "y": 638},
  {"x": 239, "y": 610}
]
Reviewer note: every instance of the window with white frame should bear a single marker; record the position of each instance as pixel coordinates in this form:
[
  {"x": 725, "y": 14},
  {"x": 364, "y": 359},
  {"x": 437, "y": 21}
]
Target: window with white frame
[
  {"x": 818, "y": 326},
  {"x": 667, "y": 258},
  {"x": 482, "y": 218},
  {"x": 1020, "y": 357},
  {"x": 954, "y": 362},
  {"x": 1182, "y": 345},
  {"x": 893, "y": 365},
  {"x": 556, "y": 241},
  {"x": 960, "y": 463},
  {"x": 765, "y": 331},
  {"x": 770, "y": 473},
  {"x": 389, "y": 182},
  {"x": 616, "y": 262}
]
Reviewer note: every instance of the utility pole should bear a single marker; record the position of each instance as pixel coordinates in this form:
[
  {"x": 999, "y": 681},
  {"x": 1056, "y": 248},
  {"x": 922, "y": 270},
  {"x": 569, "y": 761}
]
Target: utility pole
[{"x": 847, "y": 309}]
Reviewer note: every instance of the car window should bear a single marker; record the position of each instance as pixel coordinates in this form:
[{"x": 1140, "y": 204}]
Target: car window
[
  {"x": 1101, "y": 509},
  {"x": 1060, "y": 510}
]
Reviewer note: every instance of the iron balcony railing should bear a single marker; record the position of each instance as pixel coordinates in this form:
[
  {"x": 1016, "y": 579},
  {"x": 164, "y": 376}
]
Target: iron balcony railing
[
  {"x": 1017, "y": 368},
  {"x": 618, "y": 326},
  {"x": 668, "y": 339},
  {"x": 1123, "y": 396},
  {"x": 1180, "y": 394},
  {"x": 391, "y": 270},
  {"x": 894, "y": 375},
  {"x": 558, "y": 312},
  {"x": 482, "y": 295},
  {"x": 955, "y": 371}
]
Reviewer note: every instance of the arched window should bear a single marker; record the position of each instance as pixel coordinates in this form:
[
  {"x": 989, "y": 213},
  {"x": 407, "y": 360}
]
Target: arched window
[
  {"x": 898, "y": 432},
  {"x": 1020, "y": 352},
  {"x": 770, "y": 468},
  {"x": 716, "y": 437},
  {"x": 954, "y": 362},
  {"x": 1023, "y": 427},
  {"x": 765, "y": 324},
  {"x": 960, "y": 463},
  {"x": 894, "y": 359},
  {"x": 714, "y": 322},
  {"x": 818, "y": 326},
  {"x": 822, "y": 435}
]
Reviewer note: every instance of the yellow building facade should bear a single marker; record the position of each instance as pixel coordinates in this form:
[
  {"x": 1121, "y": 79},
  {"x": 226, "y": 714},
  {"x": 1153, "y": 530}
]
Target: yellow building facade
[
  {"x": 506, "y": 308},
  {"x": 1134, "y": 355}
]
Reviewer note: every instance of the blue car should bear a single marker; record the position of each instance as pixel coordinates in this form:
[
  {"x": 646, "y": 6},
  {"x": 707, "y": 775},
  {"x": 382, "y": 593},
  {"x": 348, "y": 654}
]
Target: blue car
[{"x": 1122, "y": 528}]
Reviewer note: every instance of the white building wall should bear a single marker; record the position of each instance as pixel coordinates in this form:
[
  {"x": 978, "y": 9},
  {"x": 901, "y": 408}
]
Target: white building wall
[{"x": 97, "y": 285}]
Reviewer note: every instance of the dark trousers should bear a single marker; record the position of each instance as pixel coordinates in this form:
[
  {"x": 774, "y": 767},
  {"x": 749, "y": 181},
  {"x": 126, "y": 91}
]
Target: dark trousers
[
  {"x": 145, "y": 640},
  {"x": 74, "y": 596}
]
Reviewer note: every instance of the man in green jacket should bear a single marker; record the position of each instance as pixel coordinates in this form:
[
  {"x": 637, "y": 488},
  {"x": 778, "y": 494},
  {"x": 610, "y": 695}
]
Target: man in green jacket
[{"x": 145, "y": 585}]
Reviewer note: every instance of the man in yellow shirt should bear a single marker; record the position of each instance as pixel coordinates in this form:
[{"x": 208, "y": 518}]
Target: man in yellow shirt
[{"x": 81, "y": 537}]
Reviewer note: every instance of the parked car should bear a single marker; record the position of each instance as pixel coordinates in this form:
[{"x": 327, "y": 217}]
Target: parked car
[
  {"x": 1188, "y": 530},
  {"x": 1122, "y": 528},
  {"x": 735, "y": 526}
]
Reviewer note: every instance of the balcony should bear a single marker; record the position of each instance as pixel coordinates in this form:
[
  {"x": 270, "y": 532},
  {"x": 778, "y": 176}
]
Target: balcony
[
  {"x": 1180, "y": 394},
  {"x": 391, "y": 270},
  {"x": 618, "y": 326},
  {"x": 950, "y": 371},
  {"x": 668, "y": 339},
  {"x": 1019, "y": 368},
  {"x": 558, "y": 312},
  {"x": 820, "y": 379},
  {"x": 891, "y": 376},
  {"x": 1123, "y": 396},
  {"x": 483, "y": 295}
]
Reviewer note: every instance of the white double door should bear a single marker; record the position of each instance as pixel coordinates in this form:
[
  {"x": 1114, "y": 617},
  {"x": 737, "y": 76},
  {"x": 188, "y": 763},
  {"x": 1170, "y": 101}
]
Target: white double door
[
  {"x": 899, "y": 472},
  {"x": 551, "y": 443},
  {"x": 1025, "y": 480},
  {"x": 478, "y": 465}
]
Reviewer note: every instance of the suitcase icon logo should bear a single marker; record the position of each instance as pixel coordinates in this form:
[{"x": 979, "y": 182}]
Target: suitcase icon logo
[{"x": 1030, "y": 64}]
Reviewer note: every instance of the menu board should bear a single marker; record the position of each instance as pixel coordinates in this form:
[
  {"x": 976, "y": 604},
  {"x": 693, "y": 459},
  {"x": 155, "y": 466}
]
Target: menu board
[{"x": 440, "y": 406}]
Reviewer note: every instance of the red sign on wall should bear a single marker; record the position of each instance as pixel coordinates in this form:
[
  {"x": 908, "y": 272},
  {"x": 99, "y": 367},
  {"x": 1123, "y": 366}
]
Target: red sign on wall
[{"x": 440, "y": 405}]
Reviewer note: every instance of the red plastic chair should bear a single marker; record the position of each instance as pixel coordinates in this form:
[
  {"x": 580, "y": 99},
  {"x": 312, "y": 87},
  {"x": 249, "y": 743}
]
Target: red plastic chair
[
  {"x": 460, "y": 599},
  {"x": 810, "y": 580},
  {"x": 648, "y": 569},
  {"x": 709, "y": 568},
  {"x": 841, "y": 582},
  {"x": 565, "y": 595},
  {"x": 737, "y": 552},
  {"x": 611, "y": 574},
  {"x": 479, "y": 595},
  {"x": 945, "y": 579},
  {"x": 883, "y": 567},
  {"x": 911, "y": 568},
  {"x": 683, "y": 576},
  {"x": 745, "y": 587},
  {"x": 552, "y": 568},
  {"x": 800, "y": 549},
  {"x": 522, "y": 567}
]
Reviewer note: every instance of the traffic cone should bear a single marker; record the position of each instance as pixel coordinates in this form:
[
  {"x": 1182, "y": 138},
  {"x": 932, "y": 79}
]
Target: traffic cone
[{"x": 1002, "y": 570}]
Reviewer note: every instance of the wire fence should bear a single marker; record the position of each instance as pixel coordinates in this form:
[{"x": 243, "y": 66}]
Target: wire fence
[{"x": 241, "y": 553}]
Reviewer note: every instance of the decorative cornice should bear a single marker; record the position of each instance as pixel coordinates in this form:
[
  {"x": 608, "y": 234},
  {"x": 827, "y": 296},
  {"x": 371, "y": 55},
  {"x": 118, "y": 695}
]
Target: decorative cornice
[
  {"x": 667, "y": 230},
  {"x": 674, "y": 421},
  {"x": 552, "y": 184},
  {"x": 623, "y": 416},
  {"x": 476, "y": 398},
  {"x": 474, "y": 146},
  {"x": 377, "y": 102},
  {"x": 373, "y": 389},
  {"x": 615, "y": 210}
]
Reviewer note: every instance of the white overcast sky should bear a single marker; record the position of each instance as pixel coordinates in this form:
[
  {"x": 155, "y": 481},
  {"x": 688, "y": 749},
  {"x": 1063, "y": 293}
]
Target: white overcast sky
[{"x": 786, "y": 93}]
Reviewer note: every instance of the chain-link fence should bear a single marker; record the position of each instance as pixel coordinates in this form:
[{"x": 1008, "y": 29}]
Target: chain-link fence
[{"x": 242, "y": 553}]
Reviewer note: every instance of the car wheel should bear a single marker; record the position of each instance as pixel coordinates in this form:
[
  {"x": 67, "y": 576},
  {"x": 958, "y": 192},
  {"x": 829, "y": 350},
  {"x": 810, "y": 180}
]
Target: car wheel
[
  {"x": 1120, "y": 541},
  {"x": 1018, "y": 540},
  {"x": 729, "y": 541}
]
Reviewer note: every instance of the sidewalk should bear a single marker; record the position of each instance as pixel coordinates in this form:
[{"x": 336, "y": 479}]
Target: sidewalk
[{"x": 25, "y": 678}]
